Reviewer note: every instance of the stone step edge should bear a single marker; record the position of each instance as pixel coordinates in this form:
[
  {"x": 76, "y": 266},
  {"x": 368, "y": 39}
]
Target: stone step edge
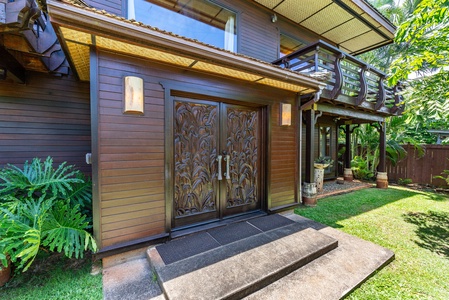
[{"x": 156, "y": 262}]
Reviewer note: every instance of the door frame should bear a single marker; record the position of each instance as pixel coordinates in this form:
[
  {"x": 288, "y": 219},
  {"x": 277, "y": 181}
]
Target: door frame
[{"x": 194, "y": 92}]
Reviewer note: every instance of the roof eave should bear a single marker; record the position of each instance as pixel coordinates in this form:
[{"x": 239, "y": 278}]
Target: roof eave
[{"x": 120, "y": 29}]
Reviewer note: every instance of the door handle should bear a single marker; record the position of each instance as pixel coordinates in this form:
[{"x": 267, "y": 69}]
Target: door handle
[
  {"x": 219, "y": 167},
  {"x": 227, "y": 159}
]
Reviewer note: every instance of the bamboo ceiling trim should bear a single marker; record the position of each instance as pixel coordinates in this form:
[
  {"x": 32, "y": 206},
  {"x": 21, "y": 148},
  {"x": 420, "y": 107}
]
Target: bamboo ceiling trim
[
  {"x": 322, "y": 21},
  {"x": 78, "y": 36},
  {"x": 268, "y": 3},
  {"x": 340, "y": 33},
  {"x": 299, "y": 13},
  {"x": 321, "y": 16},
  {"x": 80, "y": 58},
  {"x": 226, "y": 71},
  {"x": 354, "y": 43},
  {"x": 142, "y": 52},
  {"x": 355, "y": 7},
  {"x": 284, "y": 85}
]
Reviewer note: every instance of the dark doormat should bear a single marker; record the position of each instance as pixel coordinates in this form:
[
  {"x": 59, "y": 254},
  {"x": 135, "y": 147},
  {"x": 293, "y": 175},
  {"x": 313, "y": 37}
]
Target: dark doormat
[
  {"x": 270, "y": 222},
  {"x": 178, "y": 249},
  {"x": 181, "y": 248},
  {"x": 233, "y": 232}
]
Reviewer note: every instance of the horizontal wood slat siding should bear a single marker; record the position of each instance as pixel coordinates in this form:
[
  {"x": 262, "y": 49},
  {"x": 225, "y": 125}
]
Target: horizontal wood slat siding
[
  {"x": 283, "y": 160},
  {"x": 131, "y": 155},
  {"x": 47, "y": 116},
  {"x": 132, "y": 147},
  {"x": 112, "y": 6},
  {"x": 258, "y": 36}
]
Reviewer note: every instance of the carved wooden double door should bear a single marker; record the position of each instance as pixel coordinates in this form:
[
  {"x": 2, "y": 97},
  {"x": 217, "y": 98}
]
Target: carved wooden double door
[{"x": 216, "y": 160}]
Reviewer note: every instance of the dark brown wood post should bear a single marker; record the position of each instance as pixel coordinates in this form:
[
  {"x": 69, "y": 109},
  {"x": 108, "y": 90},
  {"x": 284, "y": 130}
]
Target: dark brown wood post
[
  {"x": 310, "y": 145},
  {"x": 347, "y": 172},
  {"x": 348, "y": 147},
  {"x": 309, "y": 187},
  {"x": 382, "y": 148},
  {"x": 382, "y": 178}
]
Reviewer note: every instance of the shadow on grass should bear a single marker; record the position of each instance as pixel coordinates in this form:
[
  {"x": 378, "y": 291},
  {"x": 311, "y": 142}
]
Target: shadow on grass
[
  {"x": 432, "y": 231},
  {"x": 333, "y": 209}
]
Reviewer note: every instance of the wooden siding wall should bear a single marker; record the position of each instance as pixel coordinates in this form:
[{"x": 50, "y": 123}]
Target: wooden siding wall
[
  {"x": 113, "y": 6},
  {"x": 131, "y": 147},
  {"x": 258, "y": 37},
  {"x": 421, "y": 170},
  {"x": 131, "y": 156},
  {"x": 47, "y": 116},
  {"x": 284, "y": 158}
]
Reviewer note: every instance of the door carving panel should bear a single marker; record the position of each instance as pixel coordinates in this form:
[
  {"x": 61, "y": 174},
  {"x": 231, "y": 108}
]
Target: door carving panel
[
  {"x": 242, "y": 144},
  {"x": 216, "y": 160},
  {"x": 195, "y": 153}
]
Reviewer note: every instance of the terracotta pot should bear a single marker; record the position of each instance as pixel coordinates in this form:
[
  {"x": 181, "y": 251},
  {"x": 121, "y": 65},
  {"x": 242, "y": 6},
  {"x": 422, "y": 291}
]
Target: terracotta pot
[{"x": 5, "y": 273}]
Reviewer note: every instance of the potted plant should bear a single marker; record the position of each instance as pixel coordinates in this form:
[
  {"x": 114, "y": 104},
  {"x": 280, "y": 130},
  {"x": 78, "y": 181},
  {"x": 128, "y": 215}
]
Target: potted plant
[
  {"x": 320, "y": 164},
  {"x": 5, "y": 269},
  {"x": 41, "y": 208},
  {"x": 323, "y": 162}
]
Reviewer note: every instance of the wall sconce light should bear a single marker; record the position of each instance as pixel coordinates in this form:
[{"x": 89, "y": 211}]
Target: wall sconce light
[
  {"x": 3, "y": 73},
  {"x": 274, "y": 18},
  {"x": 286, "y": 114},
  {"x": 133, "y": 99}
]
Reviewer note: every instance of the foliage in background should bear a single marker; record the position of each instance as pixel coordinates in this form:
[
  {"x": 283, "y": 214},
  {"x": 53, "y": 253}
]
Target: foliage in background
[
  {"x": 420, "y": 49},
  {"x": 445, "y": 176},
  {"x": 425, "y": 35},
  {"x": 425, "y": 39},
  {"x": 40, "y": 208}
]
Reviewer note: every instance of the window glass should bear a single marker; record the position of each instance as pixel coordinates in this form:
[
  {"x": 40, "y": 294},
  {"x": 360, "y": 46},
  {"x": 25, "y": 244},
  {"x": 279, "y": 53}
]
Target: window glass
[
  {"x": 289, "y": 45},
  {"x": 197, "y": 19}
]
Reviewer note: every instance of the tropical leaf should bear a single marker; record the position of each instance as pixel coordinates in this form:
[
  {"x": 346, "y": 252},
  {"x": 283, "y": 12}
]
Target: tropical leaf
[
  {"x": 38, "y": 176},
  {"x": 65, "y": 230},
  {"x": 20, "y": 232}
]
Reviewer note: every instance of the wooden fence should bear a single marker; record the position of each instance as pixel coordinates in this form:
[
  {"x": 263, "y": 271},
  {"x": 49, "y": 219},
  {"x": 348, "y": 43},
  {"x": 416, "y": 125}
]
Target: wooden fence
[{"x": 421, "y": 170}]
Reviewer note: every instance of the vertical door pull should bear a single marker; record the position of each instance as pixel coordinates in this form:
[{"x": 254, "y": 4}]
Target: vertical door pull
[
  {"x": 227, "y": 159},
  {"x": 219, "y": 167}
]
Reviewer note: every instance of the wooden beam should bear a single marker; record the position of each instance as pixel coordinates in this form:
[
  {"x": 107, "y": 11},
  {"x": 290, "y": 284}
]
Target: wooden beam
[
  {"x": 350, "y": 113},
  {"x": 310, "y": 145},
  {"x": 14, "y": 69}
]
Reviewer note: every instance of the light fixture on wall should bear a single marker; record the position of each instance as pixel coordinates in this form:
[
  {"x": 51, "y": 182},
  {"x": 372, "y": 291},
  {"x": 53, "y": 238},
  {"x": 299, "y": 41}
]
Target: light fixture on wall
[
  {"x": 274, "y": 18},
  {"x": 133, "y": 96},
  {"x": 3, "y": 72},
  {"x": 286, "y": 114}
]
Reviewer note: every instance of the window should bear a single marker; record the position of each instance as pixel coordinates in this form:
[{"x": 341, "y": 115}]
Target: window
[
  {"x": 197, "y": 19},
  {"x": 289, "y": 45}
]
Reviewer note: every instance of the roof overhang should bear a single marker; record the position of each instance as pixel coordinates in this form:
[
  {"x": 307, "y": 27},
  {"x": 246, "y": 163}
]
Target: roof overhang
[
  {"x": 80, "y": 28},
  {"x": 353, "y": 25}
]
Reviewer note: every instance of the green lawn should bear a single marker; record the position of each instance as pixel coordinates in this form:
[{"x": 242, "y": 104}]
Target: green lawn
[
  {"x": 413, "y": 224},
  {"x": 54, "y": 277}
]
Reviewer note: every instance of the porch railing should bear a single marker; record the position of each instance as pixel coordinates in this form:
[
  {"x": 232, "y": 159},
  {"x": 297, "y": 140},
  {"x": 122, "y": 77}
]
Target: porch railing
[{"x": 350, "y": 77}]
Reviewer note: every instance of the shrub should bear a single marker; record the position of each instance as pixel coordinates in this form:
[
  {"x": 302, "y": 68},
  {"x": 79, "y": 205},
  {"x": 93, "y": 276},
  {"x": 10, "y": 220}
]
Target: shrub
[
  {"x": 404, "y": 181},
  {"x": 361, "y": 168},
  {"x": 43, "y": 208}
]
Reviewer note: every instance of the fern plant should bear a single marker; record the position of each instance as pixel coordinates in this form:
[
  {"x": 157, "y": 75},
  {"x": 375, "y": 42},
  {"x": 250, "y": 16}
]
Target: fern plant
[{"x": 43, "y": 208}]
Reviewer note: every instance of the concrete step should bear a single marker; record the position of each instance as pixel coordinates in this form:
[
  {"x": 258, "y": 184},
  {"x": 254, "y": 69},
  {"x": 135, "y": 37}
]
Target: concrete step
[
  {"x": 236, "y": 269},
  {"x": 333, "y": 275}
]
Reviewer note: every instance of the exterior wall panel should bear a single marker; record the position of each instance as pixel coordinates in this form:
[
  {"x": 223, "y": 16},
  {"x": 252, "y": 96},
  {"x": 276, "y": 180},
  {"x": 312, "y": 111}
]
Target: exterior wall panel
[
  {"x": 132, "y": 148},
  {"x": 47, "y": 116},
  {"x": 283, "y": 160},
  {"x": 112, "y": 6}
]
